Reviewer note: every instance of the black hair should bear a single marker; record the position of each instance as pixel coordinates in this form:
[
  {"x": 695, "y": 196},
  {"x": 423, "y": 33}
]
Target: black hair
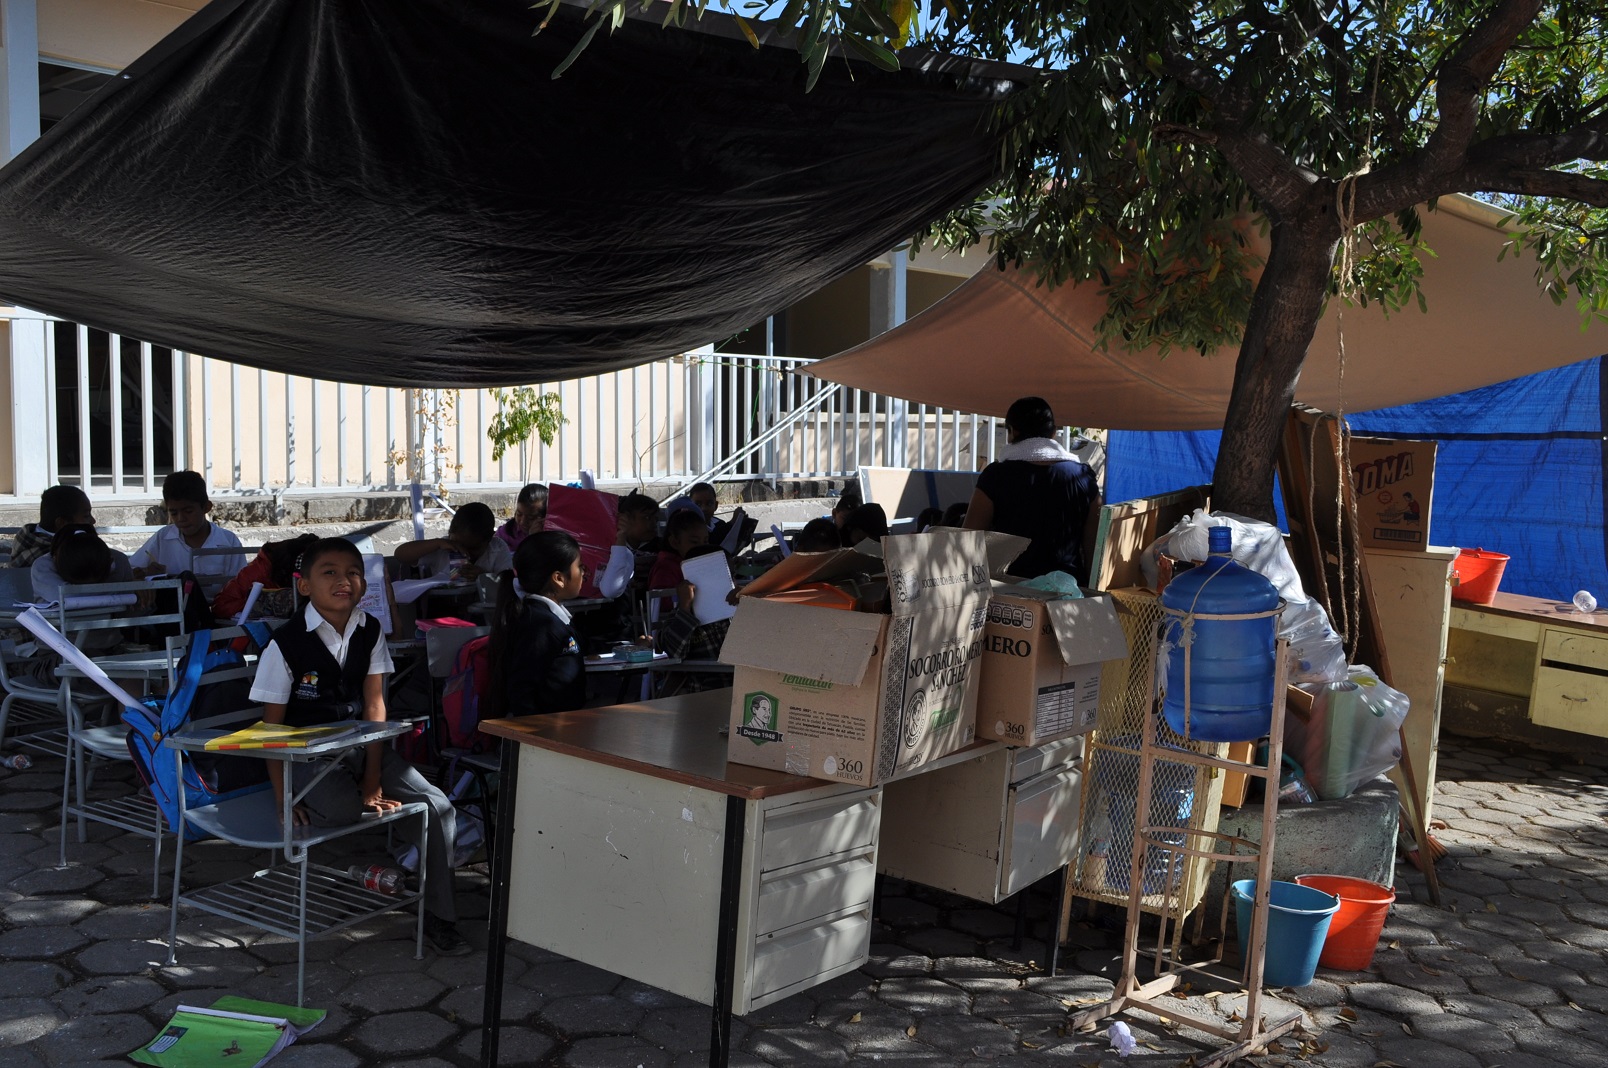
[
  {"x": 533, "y": 493},
  {"x": 928, "y": 517},
  {"x": 848, "y": 501},
  {"x": 283, "y": 556},
  {"x": 683, "y": 520},
  {"x": 870, "y": 520},
  {"x": 323, "y": 547},
  {"x": 696, "y": 486},
  {"x": 955, "y": 514},
  {"x": 636, "y": 503},
  {"x": 537, "y": 557},
  {"x": 1031, "y": 417},
  {"x": 185, "y": 486},
  {"x": 79, "y": 555},
  {"x": 476, "y": 519},
  {"x": 818, "y": 536},
  {"x": 59, "y": 504}
]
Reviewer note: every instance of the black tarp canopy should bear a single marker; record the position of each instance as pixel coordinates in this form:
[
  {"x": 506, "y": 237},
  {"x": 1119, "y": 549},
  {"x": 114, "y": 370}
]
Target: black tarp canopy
[{"x": 397, "y": 192}]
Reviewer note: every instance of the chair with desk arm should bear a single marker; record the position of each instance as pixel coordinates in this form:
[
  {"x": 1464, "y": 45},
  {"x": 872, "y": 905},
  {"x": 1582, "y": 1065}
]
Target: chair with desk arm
[
  {"x": 134, "y": 813},
  {"x": 31, "y": 699},
  {"x": 293, "y": 897},
  {"x": 212, "y": 583}
]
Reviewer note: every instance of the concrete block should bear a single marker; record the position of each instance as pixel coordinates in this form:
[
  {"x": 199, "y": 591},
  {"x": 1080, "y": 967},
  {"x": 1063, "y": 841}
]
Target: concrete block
[{"x": 1354, "y": 836}]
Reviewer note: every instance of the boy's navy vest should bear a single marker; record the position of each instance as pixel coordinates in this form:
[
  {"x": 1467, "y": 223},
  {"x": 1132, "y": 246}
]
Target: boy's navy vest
[{"x": 322, "y": 691}]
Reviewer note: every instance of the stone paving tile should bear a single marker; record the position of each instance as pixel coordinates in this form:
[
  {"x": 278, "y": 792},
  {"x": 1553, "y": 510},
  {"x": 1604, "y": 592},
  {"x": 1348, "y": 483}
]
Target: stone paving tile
[
  {"x": 619, "y": 1052},
  {"x": 402, "y": 1032},
  {"x": 515, "y": 1045},
  {"x": 591, "y": 1014},
  {"x": 1513, "y": 975}
]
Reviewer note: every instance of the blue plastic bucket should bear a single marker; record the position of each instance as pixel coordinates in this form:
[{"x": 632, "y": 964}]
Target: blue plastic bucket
[{"x": 1297, "y": 923}]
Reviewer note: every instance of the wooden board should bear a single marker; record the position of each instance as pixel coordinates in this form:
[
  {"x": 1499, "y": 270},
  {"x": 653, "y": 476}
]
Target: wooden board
[
  {"x": 1126, "y": 529},
  {"x": 904, "y": 492}
]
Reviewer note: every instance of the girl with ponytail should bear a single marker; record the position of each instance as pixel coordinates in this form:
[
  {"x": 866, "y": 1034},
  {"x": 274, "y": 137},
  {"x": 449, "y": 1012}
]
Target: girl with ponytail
[{"x": 536, "y": 663}]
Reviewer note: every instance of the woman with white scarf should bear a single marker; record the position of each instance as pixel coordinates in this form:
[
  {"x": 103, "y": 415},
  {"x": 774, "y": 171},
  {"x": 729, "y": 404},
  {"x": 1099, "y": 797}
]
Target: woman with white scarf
[{"x": 1039, "y": 491}]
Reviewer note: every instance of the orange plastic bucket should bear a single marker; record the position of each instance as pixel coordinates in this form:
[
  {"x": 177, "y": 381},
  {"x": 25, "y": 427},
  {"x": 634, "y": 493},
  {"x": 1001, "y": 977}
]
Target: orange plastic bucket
[
  {"x": 1479, "y": 573},
  {"x": 1354, "y": 933}
]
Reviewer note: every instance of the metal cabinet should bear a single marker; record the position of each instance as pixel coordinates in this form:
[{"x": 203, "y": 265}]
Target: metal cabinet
[{"x": 986, "y": 822}]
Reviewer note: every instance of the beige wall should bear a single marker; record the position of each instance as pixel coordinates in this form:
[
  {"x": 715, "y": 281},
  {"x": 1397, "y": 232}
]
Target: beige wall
[
  {"x": 639, "y": 434},
  {"x": 108, "y": 33}
]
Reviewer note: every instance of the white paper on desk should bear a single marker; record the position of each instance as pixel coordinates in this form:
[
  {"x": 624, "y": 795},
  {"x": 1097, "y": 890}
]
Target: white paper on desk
[
  {"x": 40, "y": 627},
  {"x": 712, "y": 576},
  {"x": 406, "y": 591},
  {"x": 251, "y": 602}
]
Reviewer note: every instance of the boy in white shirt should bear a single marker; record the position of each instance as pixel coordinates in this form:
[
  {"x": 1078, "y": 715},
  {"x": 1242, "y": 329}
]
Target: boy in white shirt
[{"x": 171, "y": 549}]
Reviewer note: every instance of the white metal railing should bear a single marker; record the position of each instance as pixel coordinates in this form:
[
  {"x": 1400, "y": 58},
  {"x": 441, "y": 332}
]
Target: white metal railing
[{"x": 123, "y": 413}]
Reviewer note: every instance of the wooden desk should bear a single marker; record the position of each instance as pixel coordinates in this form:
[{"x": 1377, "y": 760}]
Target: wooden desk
[
  {"x": 625, "y": 840},
  {"x": 1540, "y": 650}
]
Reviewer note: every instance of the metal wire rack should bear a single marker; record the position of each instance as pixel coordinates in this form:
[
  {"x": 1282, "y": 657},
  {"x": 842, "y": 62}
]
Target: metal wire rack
[{"x": 1184, "y": 796}]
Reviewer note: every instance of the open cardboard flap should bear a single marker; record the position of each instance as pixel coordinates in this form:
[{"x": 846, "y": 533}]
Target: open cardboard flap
[
  {"x": 938, "y": 569},
  {"x": 1087, "y": 630},
  {"x": 824, "y": 644},
  {"x": 802, "y": 568},
  {"x": 1003, "y": 549}
]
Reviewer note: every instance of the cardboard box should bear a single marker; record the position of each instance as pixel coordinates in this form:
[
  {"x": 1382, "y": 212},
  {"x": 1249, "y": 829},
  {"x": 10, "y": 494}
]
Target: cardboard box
[
  {"x": 1395, "y": 483},
  {"x": 1042, "y": 658},
  {"x": 861, "y": 697}
]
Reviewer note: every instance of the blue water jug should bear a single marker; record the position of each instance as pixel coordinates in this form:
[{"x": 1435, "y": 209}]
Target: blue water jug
[{"x": 1231, "y": 660}]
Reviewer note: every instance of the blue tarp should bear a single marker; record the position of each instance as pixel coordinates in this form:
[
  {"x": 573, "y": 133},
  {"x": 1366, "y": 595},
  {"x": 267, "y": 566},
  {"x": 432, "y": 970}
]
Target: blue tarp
[{"x": 1519, "y": 470}]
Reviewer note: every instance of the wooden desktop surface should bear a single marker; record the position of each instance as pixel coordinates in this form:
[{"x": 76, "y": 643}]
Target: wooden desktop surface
[
  {"x": 675, "y": 738},
  {"x": 1539, "y": 609}
]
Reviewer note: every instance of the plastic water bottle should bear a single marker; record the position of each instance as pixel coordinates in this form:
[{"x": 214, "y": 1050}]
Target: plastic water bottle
[
  {"x": 1231, "y": 660},
  {"x": 16, "y": 762},
  {"x": 1122, "y": 1039},
  {"x": 378, "y": 877},
  {"x": 1584, "y": 602}
]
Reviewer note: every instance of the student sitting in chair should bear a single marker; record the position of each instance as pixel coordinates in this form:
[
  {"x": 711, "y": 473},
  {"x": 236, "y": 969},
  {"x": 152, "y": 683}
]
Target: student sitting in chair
[
  {"x": 170, "y": 550},
  {"x": 330, "y": 665},
  {"x": 535, "y": 660},
  {"x": 77, "y": 557},
  {"x": 58, "y": 507},
  {"x": 682, "y": 636},
  {"x": 275, "y": 567},
  {"x": 470, "y": 549}
]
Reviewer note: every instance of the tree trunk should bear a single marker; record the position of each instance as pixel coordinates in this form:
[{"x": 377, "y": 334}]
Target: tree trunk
[{"x": 1284, "y": 316}]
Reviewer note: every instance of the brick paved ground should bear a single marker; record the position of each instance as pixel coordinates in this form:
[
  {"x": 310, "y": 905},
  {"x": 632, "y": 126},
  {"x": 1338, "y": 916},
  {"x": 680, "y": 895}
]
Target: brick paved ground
[{"x": 1512, "y": 973}]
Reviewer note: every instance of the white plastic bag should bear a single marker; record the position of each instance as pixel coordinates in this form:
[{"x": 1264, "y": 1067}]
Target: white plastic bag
[
  {"x": 1352, "y": 734},
  {"x": 1317, "y": 654}
]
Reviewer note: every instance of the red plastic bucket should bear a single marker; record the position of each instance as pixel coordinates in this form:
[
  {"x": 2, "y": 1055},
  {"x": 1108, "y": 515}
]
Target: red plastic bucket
[
  {"x": 1479, "y": 573},
  {"x": 1354, "y": 933}
]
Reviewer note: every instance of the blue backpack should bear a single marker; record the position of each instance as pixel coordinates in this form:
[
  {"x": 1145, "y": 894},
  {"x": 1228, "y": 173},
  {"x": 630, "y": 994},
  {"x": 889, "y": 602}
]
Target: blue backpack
[{"x": 205, "y": 778}]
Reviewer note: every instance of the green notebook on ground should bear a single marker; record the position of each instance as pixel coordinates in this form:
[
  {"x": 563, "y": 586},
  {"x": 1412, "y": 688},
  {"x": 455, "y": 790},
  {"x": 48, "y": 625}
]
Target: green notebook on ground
[{"x": 233, "y": 1031}]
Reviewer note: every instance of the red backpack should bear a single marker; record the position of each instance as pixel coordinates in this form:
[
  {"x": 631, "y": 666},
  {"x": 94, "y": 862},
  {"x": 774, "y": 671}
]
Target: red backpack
[{"x": 465, "y": 689}]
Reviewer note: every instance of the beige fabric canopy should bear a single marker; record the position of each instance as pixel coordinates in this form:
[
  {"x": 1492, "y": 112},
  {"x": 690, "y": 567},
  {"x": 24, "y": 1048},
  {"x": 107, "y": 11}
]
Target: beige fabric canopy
[{"x": 1001, "y": 336}]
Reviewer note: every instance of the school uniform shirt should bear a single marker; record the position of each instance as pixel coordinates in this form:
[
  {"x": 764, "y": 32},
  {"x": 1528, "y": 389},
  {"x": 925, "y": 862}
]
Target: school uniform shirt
[
  {"x": 494, "y": 559},
  {"x": 167, "y": 547},
  {"x": 47, "y": 583},
  {"x": 276, "y": 684},
  {"x": 545, "y": 671}
]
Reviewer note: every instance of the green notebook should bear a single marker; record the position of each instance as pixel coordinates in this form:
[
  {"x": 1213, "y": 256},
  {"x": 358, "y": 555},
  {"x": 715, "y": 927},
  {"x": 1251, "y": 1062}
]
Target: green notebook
[{"x": 233, "y": 1031}]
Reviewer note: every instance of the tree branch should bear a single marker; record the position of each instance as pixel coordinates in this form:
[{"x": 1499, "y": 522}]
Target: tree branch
[
  {"x": 1566, "y": 185},
  {"x": 1464, "y": 75},
  {"x": 1589, "y": 140}
]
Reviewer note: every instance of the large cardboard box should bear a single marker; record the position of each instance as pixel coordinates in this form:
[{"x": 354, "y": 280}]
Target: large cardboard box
[
  {"x": 1394, "y": 482},
  {"x": 861, "y": 697},
  {"x": 1042, "y": 658}
]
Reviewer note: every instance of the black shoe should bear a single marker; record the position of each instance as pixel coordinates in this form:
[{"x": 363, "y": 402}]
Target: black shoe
[{"x": 444, "y": 938}]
